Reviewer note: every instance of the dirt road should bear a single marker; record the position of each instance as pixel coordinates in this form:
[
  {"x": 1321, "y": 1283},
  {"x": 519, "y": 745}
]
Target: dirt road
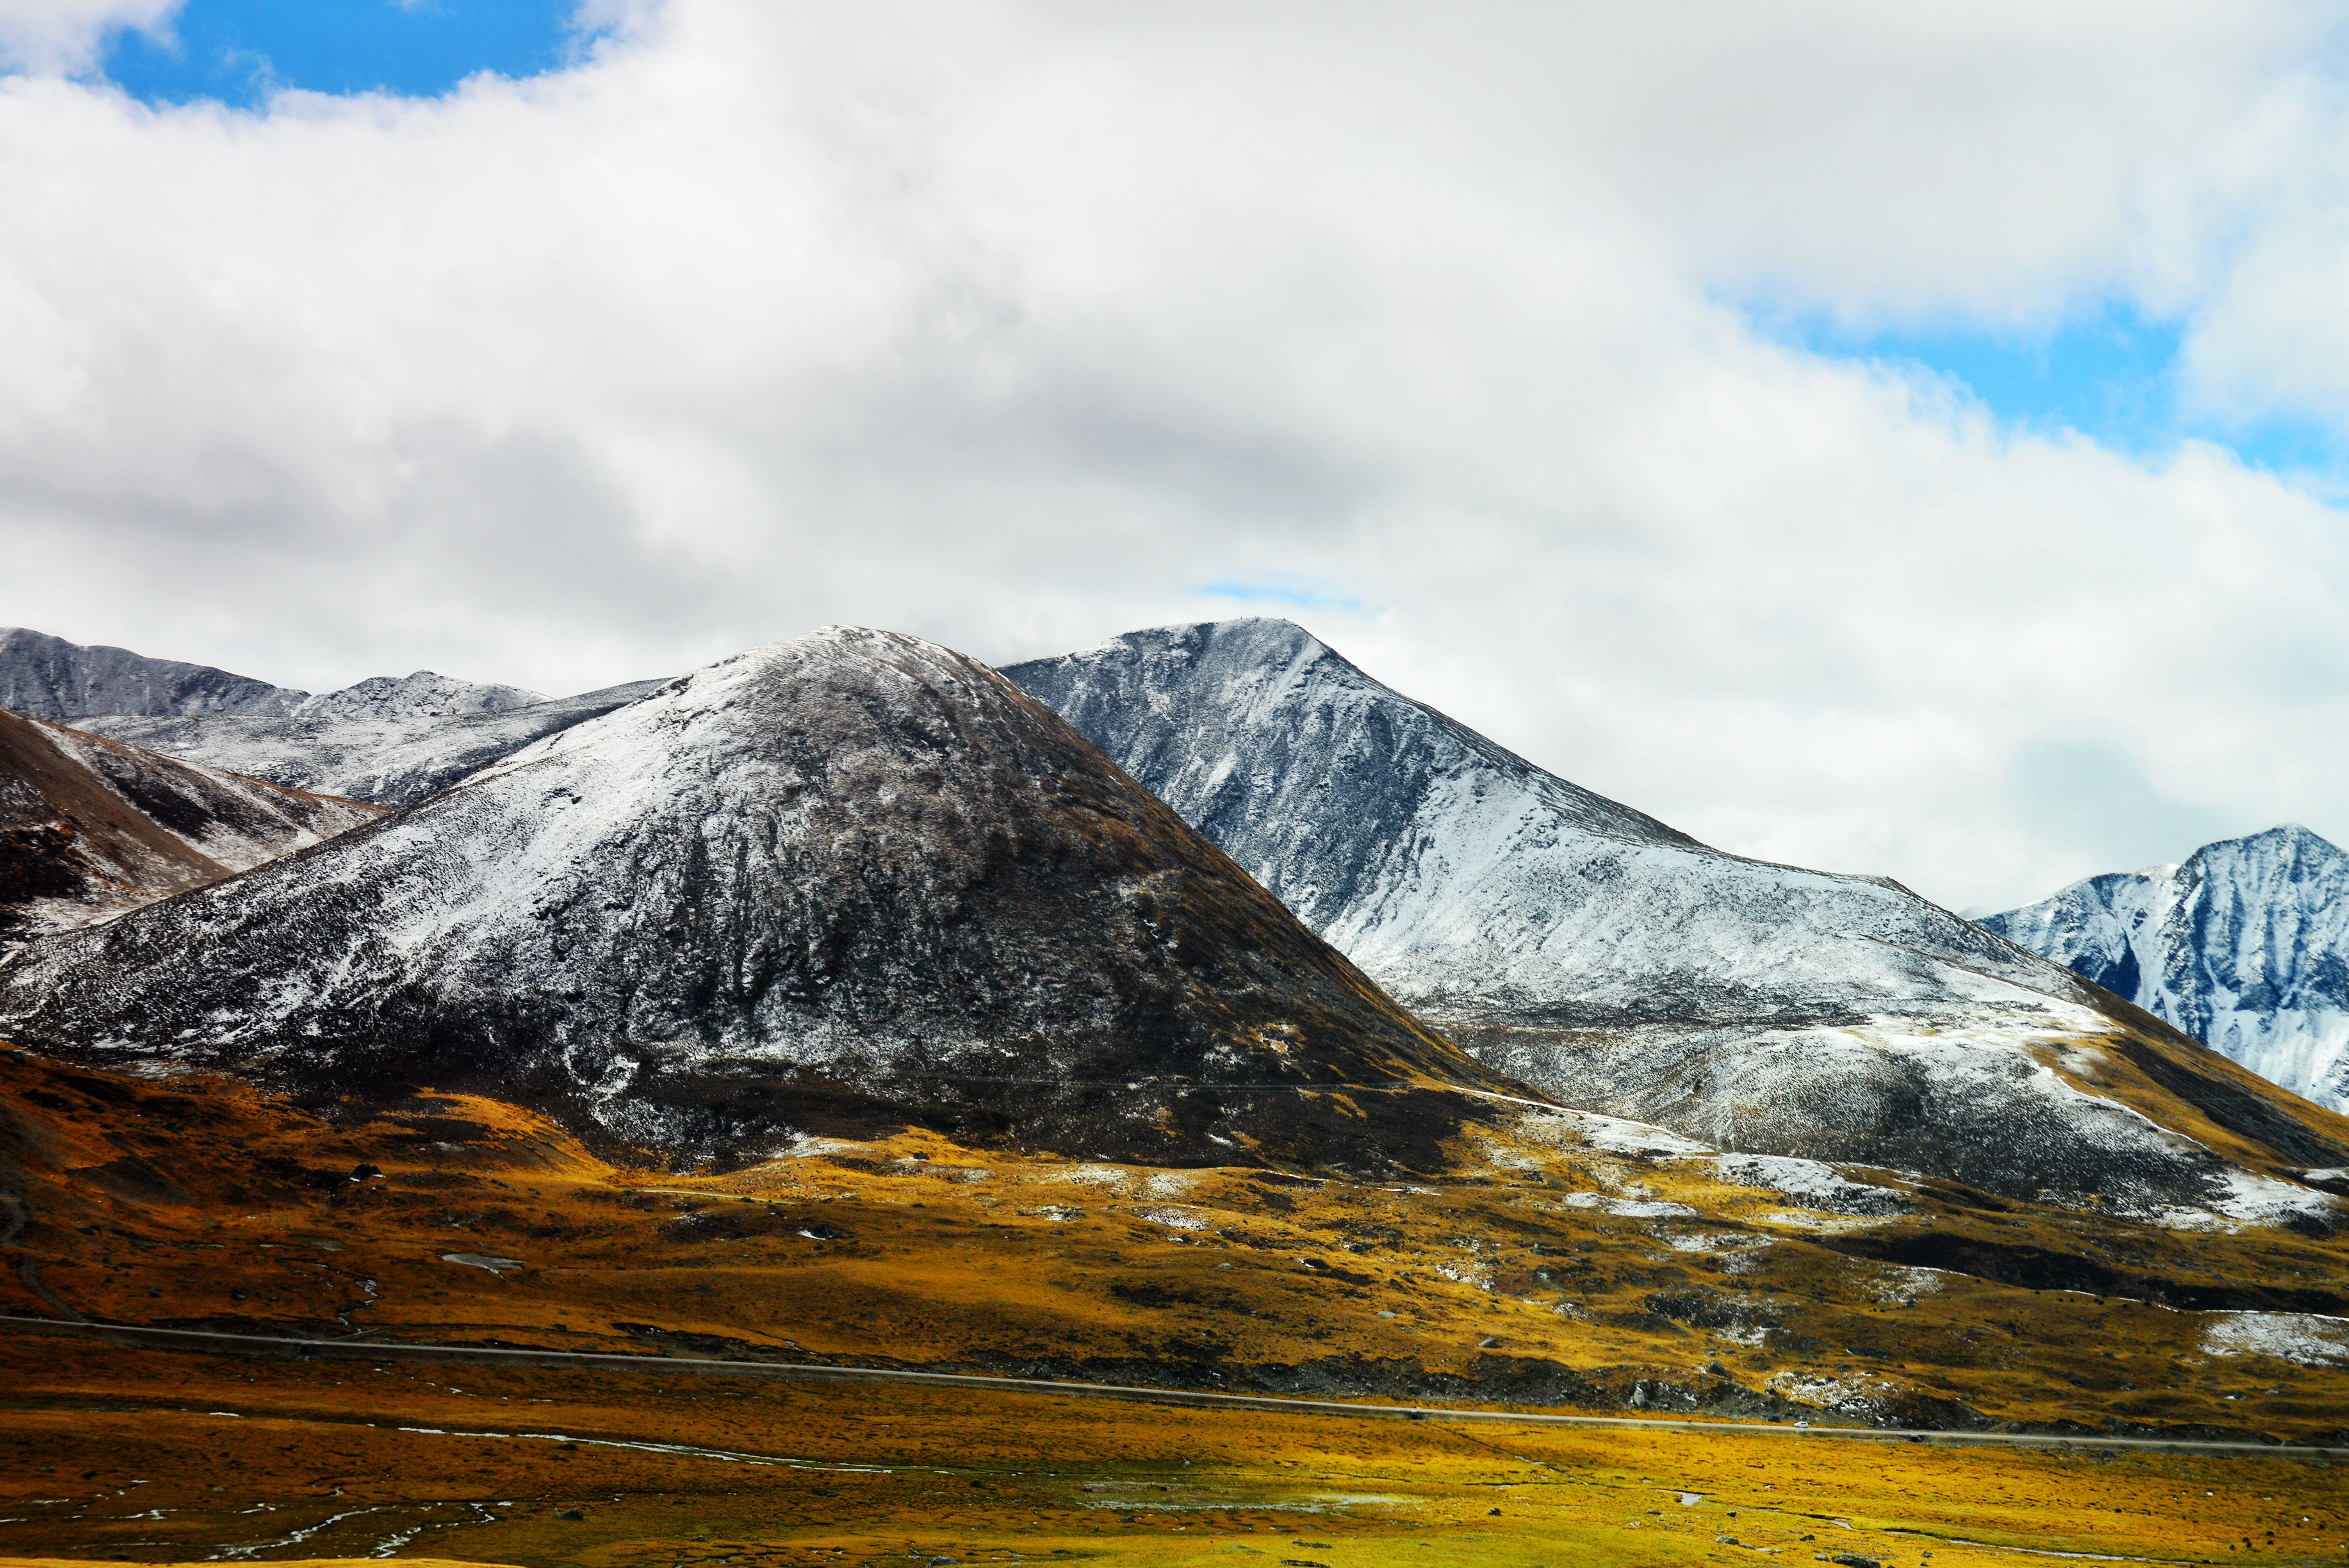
[{"x": 206, "y": 1342}]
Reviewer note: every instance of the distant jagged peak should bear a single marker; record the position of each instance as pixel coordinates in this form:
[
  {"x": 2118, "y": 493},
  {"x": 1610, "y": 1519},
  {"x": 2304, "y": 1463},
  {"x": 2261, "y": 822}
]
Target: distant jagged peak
[
  {"x": 2297, "y": 853},
  {"x": 2244, "y": 945},
  {"x": 2285, "y": 841},
  {"x": 423, "y": 694}
]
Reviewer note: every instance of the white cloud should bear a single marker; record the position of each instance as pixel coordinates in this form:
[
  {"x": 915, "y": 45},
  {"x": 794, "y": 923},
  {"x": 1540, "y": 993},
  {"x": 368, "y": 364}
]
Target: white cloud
[
  {"x": 1018, "y": 326},
  {"x": 54, "y": 36}
]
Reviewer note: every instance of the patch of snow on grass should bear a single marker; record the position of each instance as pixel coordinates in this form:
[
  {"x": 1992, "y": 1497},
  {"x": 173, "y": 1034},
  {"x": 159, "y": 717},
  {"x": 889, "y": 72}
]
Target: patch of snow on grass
[
  {"x": 1608, "y": 1134},
  {"x": 1474, "y": 1276},
  {"x": 1823, "y": 1225},
  {"x": 2262, "y": 1200},
  {"x": 1853, "y": 1396},
  {"x": 1701, "y": 1242},
  {"x": 1899, "y": 1282},
  {"x": 1117, "y": 1178},
  {"x": 1630, "y": 1208},
  {"x": 1809, "y": 1183},
  {"x": 817, "y": 1148},
  {"x": 2302, "y": 1338}
]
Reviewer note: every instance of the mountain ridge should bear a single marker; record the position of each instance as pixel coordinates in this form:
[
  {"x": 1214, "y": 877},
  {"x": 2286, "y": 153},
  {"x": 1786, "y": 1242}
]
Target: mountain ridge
[
  {"x": 386, "y": 740},
  {"x": 1625, "y": 968},
  {"x": 846, "y": 876},
  {"x": 46, "y": 676},
  {"x": 391, "y": 743}
]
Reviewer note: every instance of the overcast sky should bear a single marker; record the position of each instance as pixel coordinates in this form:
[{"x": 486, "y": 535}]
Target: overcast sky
[{"x": 1892, "y": 438}]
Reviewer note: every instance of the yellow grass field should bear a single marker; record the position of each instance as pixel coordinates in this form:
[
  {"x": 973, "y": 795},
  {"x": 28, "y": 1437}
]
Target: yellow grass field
[
  {"x": 166, "y": 1458},
  {"x": 1499, "y": 1283}
]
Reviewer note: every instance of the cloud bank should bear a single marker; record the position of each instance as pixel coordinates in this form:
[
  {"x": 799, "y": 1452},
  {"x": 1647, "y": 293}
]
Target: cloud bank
[{"x": 1019, "y": 325}]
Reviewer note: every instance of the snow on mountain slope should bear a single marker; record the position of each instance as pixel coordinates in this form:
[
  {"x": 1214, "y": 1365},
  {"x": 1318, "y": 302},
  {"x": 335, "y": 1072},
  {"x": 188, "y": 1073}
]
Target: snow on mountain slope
[
  {"x": 89, "y": 827},
  {"x": 2245, "y": 946},
  {"x": 1624, "y": 968},
  {"x": 382, "y": 740},
  {"x": 1470, "y": 882},
  {"x": 837, "y": 881},
  {"x": 49, "y": 678},
  {"x": 423, "y": 694}
]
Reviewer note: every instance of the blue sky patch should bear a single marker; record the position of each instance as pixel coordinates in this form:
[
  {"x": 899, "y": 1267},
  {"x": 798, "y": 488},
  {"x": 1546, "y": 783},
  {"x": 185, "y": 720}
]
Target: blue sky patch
[
  {"x": 1299, "y": 593},
  {"x": 240, "y": 51},
  {"x": 2112, "y": 375}
]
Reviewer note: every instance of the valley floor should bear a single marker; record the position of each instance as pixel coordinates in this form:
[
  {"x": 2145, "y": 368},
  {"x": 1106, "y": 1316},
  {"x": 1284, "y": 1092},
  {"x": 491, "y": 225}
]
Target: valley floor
[
  {"x": 160, "y": 1458},
  {"x": 1556, "y": 1264}
]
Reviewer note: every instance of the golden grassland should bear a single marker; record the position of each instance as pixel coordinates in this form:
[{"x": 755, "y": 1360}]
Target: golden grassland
[
  {"x": 1535, "y": 1271},
  {"x": 163, "y": 1458}
]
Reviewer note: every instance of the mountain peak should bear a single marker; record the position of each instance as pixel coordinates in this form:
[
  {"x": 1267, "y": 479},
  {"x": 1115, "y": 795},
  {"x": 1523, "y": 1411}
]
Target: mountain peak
[
  {"x": 847, "y": 878},
  {"x": 2243, "y": 945},
  {"x": 2284, "y": 838},
  {"x": 1583, "y": 947}
]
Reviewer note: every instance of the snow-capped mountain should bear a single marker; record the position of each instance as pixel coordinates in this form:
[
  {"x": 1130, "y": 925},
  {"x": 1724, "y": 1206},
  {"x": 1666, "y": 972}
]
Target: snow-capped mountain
[
  {"x": 384, "y": 740},
  {"x": 841, "y": 880},
  {"x": 90, "y": 828},
  {"x": 2245, "y": 946},
  {"x": 1473, "y": 883},
  {"x": 49, "y": 678},
  {"x": 1626, "y": 968}
]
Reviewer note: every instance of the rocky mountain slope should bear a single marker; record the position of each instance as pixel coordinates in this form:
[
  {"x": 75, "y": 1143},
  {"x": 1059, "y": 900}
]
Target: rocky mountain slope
[
  {"x": 847, "y": 881},
  {"x": 383, "y": 741},
  {"x": 2245, "y": 946},
  {"x": 90, "y": 827},
  {"x": 1620, "y": 965},
  {"x": 49, "y": 678}
]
